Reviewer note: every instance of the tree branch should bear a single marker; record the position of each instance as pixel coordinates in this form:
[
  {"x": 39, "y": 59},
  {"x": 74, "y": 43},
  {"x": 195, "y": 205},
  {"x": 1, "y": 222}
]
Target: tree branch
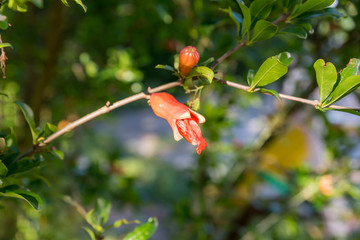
[
  {"x": 105, "y": 109},
  {"x": 314, "y": 103}
]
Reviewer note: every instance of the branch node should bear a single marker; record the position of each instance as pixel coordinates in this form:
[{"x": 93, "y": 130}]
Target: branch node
[{"x": 108, "y": 104}]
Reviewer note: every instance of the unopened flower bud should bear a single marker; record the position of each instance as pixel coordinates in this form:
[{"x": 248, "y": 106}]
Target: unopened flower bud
[{"x": 188, "y": 58}]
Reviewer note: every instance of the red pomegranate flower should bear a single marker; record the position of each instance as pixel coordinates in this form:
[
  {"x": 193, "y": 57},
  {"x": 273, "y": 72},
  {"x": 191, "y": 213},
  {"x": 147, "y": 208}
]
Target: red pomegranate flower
[
  {"x": 183, "y": 120},
  {"x": 188, "y": 58}
]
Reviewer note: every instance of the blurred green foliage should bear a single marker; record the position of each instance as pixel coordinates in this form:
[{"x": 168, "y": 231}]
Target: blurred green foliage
[{"x": 272, "y": 170}]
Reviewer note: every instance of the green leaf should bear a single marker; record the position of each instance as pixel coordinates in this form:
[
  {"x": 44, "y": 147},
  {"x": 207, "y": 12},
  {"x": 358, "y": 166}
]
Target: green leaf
[
  {"x": 207, "y": 62},
  {"x": 165, "y": 67},
  {"x": 102, "y": 210},
  {"x": 17, "y": 5},
  {"x": 25, "y": 164},
  {"x": 270, "y": 71},
  {"x": 3, "y": 169},
  {"x": 351, "y": 111},
  {"x": 260, "y": 9},
  {"x": 38, "y": 3},
  {"x": 144, "y": 231},
  {"x": 2, "y": 45},
  {"x": 65, "y": 3},
  {"x": 246, "y": 19},
  {"x": 310, "y": 5},
  {"x": 121, "y": 222},
  {"x": 90, "y": 232},
  {"x": 263, "y": 30},
  {"x": 326, "y": 76},
  {"x": 3, "y": 23},
  {"x": 49, "y": 129},
  {"x": 92, "y": 220},
  {"x": 53, "y": 155},
  {"x": 202, "y": 72},
  {"x": 327, "y": 12},
  {"x": 296, "y": 31},
  {"x": 285, "y": 58},
  {"x": 4, "y": 94},
  {"x": 32, "y": 198},
  {"x": 270, "y": 92},
  {"x": 351, "y": 69},
  {"x": 29, "y": 117},
  {"x": 250, "y": 76},
  {"x": 344, "y": 88},
  {"x": 81, "y": 4}
]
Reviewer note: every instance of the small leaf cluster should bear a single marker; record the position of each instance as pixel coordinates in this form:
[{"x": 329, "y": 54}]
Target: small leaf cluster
[
  {"x": 256, "y": 20},
  {"x": 14, "y": 168},
  {"x": 97, "y": 218},
  {"x": 334, "y": 86}
]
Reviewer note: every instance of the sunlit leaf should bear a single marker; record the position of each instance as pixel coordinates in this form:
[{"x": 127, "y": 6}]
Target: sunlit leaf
[
  {"x": 144, "y": 231},
  {"x": 270, "y": 71},
  {"x": 351, "y": 69},
  {"x": 326, "y": 77},
  {"x": 102, "y": 210},
  {"x": 65, "y": 3},
  {"x": 2, "y": 45},
  {"x": 81, "y": 4},
  {"x": 202, "y": 72},
  {"x": 121, "y": 222},
  {"x": 310, "y": 5},
  {"x": 344, "y": 88},
  {"x": 263, "y": 30},
  {"x": 285, "y": 58}
]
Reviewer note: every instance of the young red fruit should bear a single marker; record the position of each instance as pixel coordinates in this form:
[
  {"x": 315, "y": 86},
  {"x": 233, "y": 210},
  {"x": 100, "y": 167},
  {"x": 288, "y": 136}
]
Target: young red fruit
[
  {"x": 183, "y": 120},
  {"x": 188, "y": 58}
]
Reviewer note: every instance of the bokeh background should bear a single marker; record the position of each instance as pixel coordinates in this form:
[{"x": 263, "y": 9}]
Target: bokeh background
[{"x": 272, "y": 170}]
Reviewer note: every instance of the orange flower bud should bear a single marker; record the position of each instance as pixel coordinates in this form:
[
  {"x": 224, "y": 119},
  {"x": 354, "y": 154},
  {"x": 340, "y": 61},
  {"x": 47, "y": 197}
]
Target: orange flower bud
[
  {"x": 188, "y": 58},
  {"x": 183, "y": 120}
]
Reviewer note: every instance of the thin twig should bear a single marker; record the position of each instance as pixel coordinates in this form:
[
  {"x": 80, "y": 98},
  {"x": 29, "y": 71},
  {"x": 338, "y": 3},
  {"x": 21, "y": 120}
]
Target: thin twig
[
  {"x": 314, "y": 103},
  {"x": 105, "y": 109},
  {"x": 227, "y": 54}
]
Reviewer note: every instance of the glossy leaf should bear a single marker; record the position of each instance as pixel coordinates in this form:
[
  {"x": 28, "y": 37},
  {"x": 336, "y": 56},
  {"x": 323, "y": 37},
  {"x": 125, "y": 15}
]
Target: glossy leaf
[
  {"x": 296, "y": 31},
  {"x": 202, "y": 72},
  {"x": 263, "y": 30},
  {"x": 285, "y": 58},
  {"x": 25, "y": 164},
  {"x": 32, "y": 198},
  {"x": 327, "y": 12},
  {"x": 3, "y": 169},
  {"x": 144, "y": 231},
  {"x": 344, "y": 88},
  {"x": 81, "y": 4},
  {"x": 270, "y": 71},
  {"x": 310, "y": 5},
  {"x": 165, "y": 67},
  {"x": 65, "y": 3},
  {"x": 246, "y": 19},
  {"x": 270, "y": 92},
  {"x": 49, "y": 129},
  {"x": 260, "y": 9},
  {"x": 326, "y": 76},
  {"x": 29, "y": 117}
]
